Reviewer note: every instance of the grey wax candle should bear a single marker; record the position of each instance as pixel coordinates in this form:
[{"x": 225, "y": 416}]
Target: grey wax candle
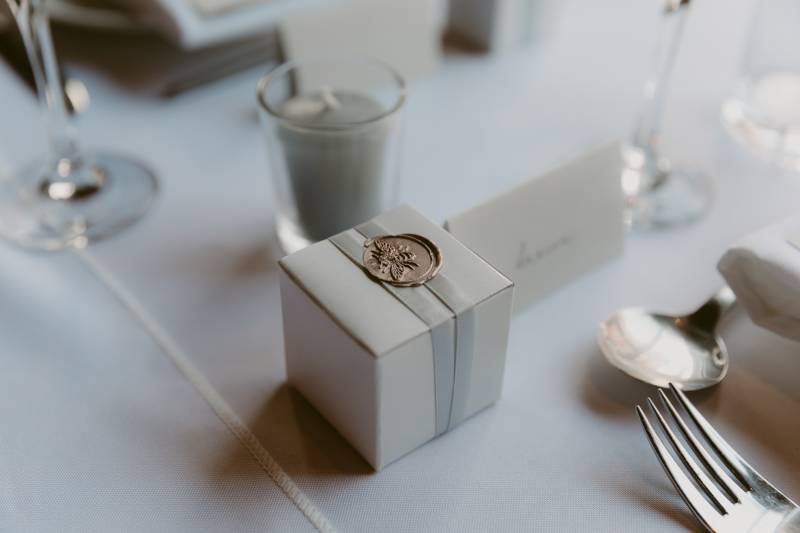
[{"x": 335, "y": 155}]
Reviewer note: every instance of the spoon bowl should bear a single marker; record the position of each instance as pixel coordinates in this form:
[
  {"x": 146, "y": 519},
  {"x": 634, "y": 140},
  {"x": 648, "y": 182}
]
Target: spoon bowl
[{"x": 659, "y": 349}]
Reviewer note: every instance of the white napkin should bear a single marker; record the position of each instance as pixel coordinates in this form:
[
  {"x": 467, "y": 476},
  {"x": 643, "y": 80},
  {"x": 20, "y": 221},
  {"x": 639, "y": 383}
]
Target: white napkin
[{"x": 764, "y": 271}]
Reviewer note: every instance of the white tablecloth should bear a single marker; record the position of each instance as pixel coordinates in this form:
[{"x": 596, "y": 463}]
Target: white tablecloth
[{"x": 101, "y": 432}]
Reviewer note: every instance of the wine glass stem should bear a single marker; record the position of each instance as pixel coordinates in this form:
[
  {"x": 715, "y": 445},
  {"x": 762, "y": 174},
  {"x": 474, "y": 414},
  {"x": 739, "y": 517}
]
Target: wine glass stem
[
  {"x": 646, "y": 133},
  {"x": 34, "y": 24}
]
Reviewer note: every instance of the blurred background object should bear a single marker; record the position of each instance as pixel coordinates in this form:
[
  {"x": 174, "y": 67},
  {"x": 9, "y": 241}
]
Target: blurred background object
[
  {"x": 68, "y": 196},
  {"x": 12, "y": 50},
  {"x": 500, "y": 25},
  {"x": 105, "y": 14},
  {"x": 763, "y": 111},
  {"x": 166, "y": 47},
  {"x": 188, "y": 24},
  {"x": 659, "y": 194},
  {"x": 379, "y": 28},
  {"x": 147, "y": 63}
]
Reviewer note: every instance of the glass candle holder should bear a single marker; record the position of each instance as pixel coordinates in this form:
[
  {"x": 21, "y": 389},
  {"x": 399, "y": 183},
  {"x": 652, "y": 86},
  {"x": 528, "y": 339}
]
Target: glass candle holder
[{"x": 333, "y": 130}]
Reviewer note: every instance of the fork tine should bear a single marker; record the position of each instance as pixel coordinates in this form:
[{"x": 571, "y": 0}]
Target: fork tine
[
  {"x": 693, "y": 498},
  {"x": 733, "y": 491},
  {"x": 703, "y": 482},
  {"x": 733, "y": 460}
]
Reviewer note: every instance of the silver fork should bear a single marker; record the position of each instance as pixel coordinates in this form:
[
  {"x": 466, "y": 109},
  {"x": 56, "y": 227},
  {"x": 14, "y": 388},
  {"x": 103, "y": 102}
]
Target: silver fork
[{"x": 738, "y": 499}]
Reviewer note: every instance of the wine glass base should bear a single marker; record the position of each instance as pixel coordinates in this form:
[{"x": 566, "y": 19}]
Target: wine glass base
[
  {"x": 678, "y": 198},
  {"x": 31, "y": 216},
  {"x": 778, "y": 144}
]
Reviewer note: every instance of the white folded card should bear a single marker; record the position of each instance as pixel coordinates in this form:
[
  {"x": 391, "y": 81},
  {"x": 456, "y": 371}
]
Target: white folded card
[{"x": 553, "y": 228}]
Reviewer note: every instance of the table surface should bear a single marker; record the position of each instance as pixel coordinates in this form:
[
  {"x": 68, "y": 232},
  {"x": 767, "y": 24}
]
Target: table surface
[{"x": 102, "y": 432}]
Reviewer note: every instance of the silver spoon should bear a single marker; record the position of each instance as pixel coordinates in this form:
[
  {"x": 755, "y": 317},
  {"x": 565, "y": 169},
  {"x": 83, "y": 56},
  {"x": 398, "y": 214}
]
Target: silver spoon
[{"x": 659, "y": 349}]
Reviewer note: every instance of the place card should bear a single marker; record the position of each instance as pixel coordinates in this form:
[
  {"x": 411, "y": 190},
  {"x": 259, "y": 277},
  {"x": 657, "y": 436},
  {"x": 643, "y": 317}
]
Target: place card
[{"x": 552, "y": 228}]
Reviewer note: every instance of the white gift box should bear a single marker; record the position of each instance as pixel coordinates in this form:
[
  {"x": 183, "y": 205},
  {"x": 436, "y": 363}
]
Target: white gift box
[{"x": 393, "y": 367}]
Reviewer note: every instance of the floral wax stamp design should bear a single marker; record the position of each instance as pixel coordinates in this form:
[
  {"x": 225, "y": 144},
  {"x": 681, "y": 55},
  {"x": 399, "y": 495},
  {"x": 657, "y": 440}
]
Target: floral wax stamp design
[{"x": 402, "y": 260}]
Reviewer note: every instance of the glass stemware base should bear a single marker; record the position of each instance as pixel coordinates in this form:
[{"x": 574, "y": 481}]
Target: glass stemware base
[
  {"x": 764, "y": 115},
  {"x": 661, "y": 196},
  {"x": 66, "y": 203}
]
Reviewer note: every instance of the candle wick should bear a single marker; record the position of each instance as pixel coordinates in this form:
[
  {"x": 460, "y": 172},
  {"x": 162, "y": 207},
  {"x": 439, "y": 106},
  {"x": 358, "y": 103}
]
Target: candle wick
[{"x": 330, "y": 100}]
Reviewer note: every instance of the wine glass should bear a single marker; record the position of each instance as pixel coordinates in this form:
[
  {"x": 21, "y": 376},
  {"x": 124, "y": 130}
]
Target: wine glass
[
  {"x": 71, "y": 196},
  {"x": 658, "y": 193},
  {"x": 763, "y": 111}
]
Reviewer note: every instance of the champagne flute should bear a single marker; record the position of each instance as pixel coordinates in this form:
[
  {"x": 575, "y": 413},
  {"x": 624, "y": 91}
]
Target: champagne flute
[
  {"x": 71, "y": 196},
  {"x": 659, "y": 194}
]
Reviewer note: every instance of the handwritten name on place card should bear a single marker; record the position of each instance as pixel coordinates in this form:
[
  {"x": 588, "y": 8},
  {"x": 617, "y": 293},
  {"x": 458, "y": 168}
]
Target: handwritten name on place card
[
  {"x": 552, "y": 228},
  {"x": 527, "y": 258}
]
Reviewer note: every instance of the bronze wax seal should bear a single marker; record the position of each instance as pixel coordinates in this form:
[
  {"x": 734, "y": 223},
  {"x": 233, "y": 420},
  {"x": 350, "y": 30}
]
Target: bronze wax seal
[{"x": 405, "y": 260}]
